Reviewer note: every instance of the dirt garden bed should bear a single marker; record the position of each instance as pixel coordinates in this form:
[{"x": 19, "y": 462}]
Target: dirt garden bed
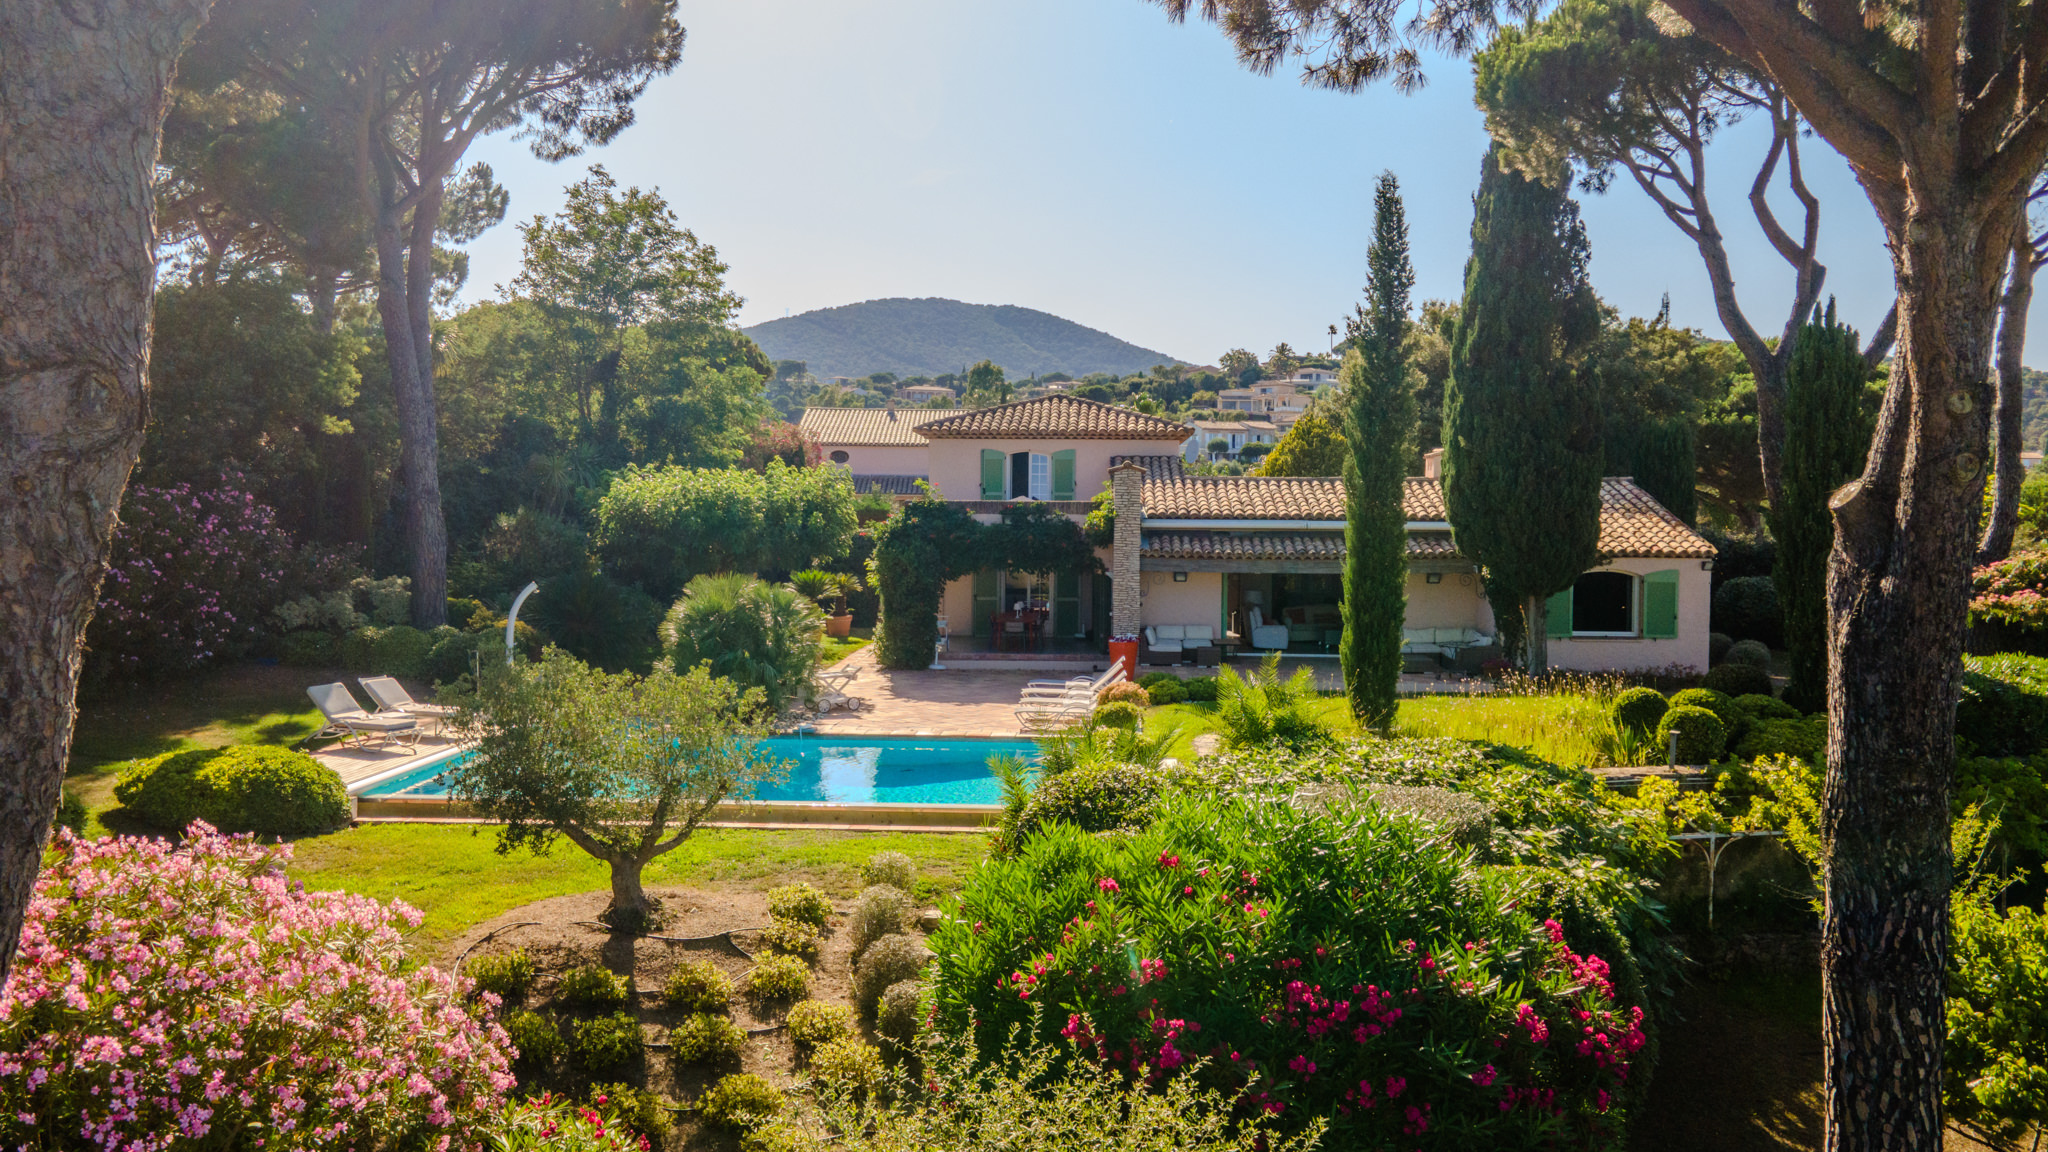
[{"x": 562, "y": 933}]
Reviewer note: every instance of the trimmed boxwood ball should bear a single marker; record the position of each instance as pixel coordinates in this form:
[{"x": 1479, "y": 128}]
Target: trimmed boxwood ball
[
  {"x": 605, "y": 1042},
  {"x": 706, "y": 1038},
  {"x": 1126, "y": 693},
  {"x": 895, "y": 869},
  {"x": 1733, "y": 679},
  {"x": 697, "y": 986},
  {"x": 739, "y": 1101},
  {"x": 592, "y": 986},
  {"x": 1718, "y": 644},
  {"x": 814, "y": 1022},
  {"x": 878, "y": 912},
  {"x": 249, "y": 788},
  {"x": 506, "y": 975},
  {"x": 1096, "y": 798},
  {"x": 1761, "y": 707},
  {"x": 849, "y": 1065},
  {"x": 1639, "y": 709},
  {"x": 1200, "y": 689},
  {"x": 800, "y": 902},
  {"x": 1168, "y": 691},
  {"x": 779, "y": 978},
  {"x": 899, "y": 1014},
  {"x": 1747, "y": 609},
  {"x": 790, "y": 937},
  {"x": 1122, "y": 714},
  {"x": 1806, "y": 739},
  {"x": 1734, "y": 720},
  {"x": 1752, "y": 652},
  {"x": 534, "y": 1037},
  {"x": 1702, "y": 738},
  {"x": 890, "y": 960},
  {"x": 1149, "y": 679}
]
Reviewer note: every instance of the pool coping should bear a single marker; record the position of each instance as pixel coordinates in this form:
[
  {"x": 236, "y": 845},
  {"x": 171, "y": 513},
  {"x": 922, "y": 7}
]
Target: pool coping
[{"x": 814, "y": 814}]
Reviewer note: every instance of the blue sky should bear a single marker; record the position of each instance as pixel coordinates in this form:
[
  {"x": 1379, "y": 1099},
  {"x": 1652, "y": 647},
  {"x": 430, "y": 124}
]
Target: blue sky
[{"x": 1092, "y": 159}]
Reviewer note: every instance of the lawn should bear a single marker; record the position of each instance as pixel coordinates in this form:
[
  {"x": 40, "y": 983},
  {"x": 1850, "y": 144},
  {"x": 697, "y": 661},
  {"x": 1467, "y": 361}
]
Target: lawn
[
  {"x": 454, "y": 875},
  {"x": 1565, "y": 729},
  {"x": 248, "y": 704},
  {"x": 832, "y": 651}
]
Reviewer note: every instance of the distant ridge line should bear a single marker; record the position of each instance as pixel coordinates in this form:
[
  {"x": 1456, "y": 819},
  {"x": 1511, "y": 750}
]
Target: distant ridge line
[{"x": 929, "y": 336}]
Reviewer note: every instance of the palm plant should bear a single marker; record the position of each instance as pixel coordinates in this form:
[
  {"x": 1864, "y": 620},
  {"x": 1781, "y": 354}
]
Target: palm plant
[
  {"x": 752, "y": 633},
  {"x": 819, "y": 586},
  {"x": 1265, "y": 709}
]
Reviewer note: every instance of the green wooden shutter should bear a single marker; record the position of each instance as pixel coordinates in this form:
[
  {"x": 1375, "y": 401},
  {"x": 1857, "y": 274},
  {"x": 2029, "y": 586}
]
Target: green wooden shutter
[
  {"x": 1063, "y": 477},
  {"x": 1559, "y": 622},
  {"x": 986, "y": 599},
  {"x": 991, "y": 474},
  {"x": 1660, "y": 604},
  {"x": 1066, "y": 593}
]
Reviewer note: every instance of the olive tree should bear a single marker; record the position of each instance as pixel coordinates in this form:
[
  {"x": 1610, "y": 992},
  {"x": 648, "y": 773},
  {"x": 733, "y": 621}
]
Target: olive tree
[{"x": 624, "y": 767}]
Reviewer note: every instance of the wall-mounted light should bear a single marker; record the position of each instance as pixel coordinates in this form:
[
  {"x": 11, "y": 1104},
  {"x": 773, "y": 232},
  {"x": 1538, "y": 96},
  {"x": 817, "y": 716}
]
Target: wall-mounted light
[
  {"x": 1180, "y": 577},
  {"x": 1706, "y": 565},
  {"x": 1433, "y": 578}
]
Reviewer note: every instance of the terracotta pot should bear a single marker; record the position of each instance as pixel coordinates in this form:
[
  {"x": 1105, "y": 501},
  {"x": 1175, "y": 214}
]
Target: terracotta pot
[
  {"x": 1126, "y": 651},
  {"x": 839, "y": 627}
]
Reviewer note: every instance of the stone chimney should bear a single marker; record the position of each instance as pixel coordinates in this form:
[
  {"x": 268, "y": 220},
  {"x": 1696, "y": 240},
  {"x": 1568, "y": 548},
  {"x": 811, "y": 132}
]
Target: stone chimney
[
  {"x": 1433, "y": 464},
  {"x": 1126, "y": 486}
]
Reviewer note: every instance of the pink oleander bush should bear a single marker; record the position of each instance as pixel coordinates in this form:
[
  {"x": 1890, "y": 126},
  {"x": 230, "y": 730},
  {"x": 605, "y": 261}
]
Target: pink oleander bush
[
  {"x": 1330, "y": 964},
  {"x": 2013, "y": 591},
  {"x": 191, "y": 576},
  {"x": 196, "y": 997}
]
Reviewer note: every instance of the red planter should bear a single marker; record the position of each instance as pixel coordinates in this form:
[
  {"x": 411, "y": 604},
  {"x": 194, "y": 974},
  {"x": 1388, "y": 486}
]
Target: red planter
[
  {"x": 839, "y": 627},
  {"x": 1126, "y": 651}
]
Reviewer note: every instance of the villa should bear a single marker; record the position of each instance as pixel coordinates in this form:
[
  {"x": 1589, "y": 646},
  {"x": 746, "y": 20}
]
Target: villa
[{"x": 1256, "y": 561}]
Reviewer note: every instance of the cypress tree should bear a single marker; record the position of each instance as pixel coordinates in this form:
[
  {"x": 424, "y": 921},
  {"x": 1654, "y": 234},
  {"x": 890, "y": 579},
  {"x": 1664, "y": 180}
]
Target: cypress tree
[
  {"x": 1827, "y": 436},
  {"x": 1662, "y": 457},
  {"x": 1522, "y": 460},
  {"x": 1379, "y": 415}
]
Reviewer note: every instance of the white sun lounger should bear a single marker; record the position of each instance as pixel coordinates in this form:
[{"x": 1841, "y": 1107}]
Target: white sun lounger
[
  {"x": 391, "y": 697},
  {"x": 346, "y": 718},
  {"x": 1058, "y": 703}
]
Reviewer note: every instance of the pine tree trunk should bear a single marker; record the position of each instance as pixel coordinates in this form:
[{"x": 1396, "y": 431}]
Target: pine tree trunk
[
  {"x": 81, "y": 109},
  {"x": 1898, "y": 589},
  {"x": 408, "y": 348},
  {"x": 2009, "y": 470}
]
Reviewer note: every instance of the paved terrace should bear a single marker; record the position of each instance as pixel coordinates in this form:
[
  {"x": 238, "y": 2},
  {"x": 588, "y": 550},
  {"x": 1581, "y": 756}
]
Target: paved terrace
[{"x": 975, "y": 698}]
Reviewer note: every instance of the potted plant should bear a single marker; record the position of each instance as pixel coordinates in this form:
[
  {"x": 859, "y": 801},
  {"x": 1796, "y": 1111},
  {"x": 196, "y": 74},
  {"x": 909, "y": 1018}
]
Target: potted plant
[{"x": 821, "y": 586}]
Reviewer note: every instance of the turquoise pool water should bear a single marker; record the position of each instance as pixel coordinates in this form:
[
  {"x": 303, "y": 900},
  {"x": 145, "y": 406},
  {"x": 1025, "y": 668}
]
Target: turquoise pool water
[{"x": 832, "y": 769}]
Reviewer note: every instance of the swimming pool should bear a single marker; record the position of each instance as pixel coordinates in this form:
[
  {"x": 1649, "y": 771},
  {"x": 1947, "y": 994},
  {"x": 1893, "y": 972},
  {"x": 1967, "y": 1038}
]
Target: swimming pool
[{"x": 827, "y": 769}]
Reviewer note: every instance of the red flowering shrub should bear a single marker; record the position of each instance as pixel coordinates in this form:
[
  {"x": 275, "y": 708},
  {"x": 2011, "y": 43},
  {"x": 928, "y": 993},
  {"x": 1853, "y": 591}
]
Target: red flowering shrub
[
  {"x": 192, "y": 575},
  {"x": 1333, "y": 965},
  {"x": 169, "y": 997}
]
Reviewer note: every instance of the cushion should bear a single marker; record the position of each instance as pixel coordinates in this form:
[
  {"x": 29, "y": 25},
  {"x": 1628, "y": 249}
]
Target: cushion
[
  {"x": 1418, "y": 635},
  {"x": 1173, "y": 632},
  {"x": 1167, "y": 646},
  {"x": 1200, "y": 634},
  {"x": 1152, "y": 637}
]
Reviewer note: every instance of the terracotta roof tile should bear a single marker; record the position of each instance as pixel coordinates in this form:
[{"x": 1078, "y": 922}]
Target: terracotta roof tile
[
  {"x": 1064, "y": 417},
  {"x": 1632, "y": 523},
  {"x": 869, "y": 427},
  {"x": 1278, "y": 546}
]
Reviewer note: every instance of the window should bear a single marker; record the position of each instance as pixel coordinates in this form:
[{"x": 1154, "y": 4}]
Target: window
[
  {"x": 840, "y": 457},
  {"x": 1041, "y": 476},
  {"x": 1604, "y": 604}
]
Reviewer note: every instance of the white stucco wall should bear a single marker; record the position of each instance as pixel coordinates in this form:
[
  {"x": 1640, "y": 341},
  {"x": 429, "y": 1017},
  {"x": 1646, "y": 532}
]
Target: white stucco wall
[
  {"x": 1198, "y": 600},
  {"x": 1456, "y": 602},
  {"x": 956, "y": 464},
  {"x": 868, "y": 461},
  {"x": 1688, "y": 648}
]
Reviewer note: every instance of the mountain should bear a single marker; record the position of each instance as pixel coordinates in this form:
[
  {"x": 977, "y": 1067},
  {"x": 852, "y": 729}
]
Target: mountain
[{"x": 931, "y": 336}]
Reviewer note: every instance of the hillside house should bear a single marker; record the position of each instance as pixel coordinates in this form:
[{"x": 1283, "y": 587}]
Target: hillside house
[
  {"x": 1235, "y": 433},
  {"x": 925, "y": 393},
  {"x": 1256, "y": 561}
]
